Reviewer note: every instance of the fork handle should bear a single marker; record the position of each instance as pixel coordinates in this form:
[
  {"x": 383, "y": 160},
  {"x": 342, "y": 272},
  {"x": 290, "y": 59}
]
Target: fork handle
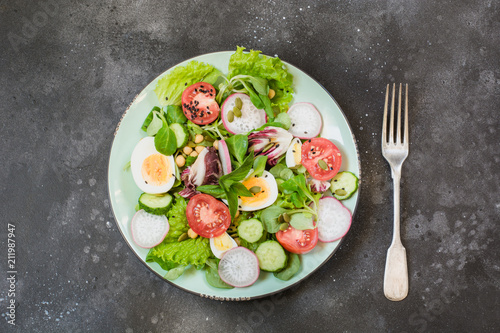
[
  {"x": 396, "y": 274},
  {"x": 396, "y": 267}
]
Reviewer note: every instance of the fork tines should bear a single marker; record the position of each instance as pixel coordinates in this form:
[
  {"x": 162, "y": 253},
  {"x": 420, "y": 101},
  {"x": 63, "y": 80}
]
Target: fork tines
[{"x": 390, "y": 140}]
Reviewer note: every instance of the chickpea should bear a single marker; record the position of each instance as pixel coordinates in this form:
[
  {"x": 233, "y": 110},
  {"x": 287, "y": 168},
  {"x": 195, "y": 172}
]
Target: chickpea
[
  {"x": 192, "y": 234},
  {"x": 198, "y": 138},
  {"x": 187, "y": 150},
  {"x": 180, "y": 161},
  {"x": 271, "y": 93},
  {"x": 216, "y": 144},
  {"x": 193, "y": 154},
  {"x": 199, "y": 149}
]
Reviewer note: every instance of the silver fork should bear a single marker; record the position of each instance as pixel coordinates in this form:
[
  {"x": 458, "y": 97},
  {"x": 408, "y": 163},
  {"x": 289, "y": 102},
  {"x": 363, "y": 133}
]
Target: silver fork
[{"x": 395, "y": 152}]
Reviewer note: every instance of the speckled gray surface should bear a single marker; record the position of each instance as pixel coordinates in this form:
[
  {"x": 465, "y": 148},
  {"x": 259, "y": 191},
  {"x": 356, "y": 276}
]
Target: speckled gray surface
[{"x": 68, "y": 70}]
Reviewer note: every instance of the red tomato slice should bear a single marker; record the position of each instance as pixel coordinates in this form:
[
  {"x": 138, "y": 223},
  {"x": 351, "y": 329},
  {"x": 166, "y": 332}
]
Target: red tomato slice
[
  {"x": 298, "y": 241},
  {"x": 317, "y": 149},
  {"x": 198, "y": 103},
  {"x": 207, "y": 216}
]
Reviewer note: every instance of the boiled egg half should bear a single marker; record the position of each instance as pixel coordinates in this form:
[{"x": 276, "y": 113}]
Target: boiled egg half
[
  {"x": 153, "y": 172},
  {"x": 219, "y": 245},
  {"x": 264, "y": 190},
  {"x": 293, "y": 154}
]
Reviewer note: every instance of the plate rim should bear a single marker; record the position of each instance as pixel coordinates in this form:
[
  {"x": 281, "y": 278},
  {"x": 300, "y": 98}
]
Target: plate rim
[{"x": 224, "y": 298}]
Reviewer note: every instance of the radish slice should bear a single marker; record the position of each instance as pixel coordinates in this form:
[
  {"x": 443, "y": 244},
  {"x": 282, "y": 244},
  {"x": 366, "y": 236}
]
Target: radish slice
[
  {"x": 334, "y": 219},
  {"x": 148, "y": 230},
  {"x": 224, "y": 157},
  {"x": 251, "y": 117},
  {"x": 239, "y": 267},
  {"x": 306, "y": 120}
]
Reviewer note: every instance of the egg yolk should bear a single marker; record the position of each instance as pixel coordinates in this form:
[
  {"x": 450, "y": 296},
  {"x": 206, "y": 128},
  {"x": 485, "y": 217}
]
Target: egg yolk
[
  {"x": 156, "y": 170},
  {"x": 259, "y": 197},
  {"x": 223, "y": 242},
  {"x": 297, "y": 155}
]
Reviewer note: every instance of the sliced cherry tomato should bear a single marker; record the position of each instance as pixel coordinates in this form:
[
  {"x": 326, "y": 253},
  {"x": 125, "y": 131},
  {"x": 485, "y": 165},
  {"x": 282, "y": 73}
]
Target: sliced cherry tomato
[
  {"x": 207, "y": 216},
  {"x": 298, "y": 241},
  {"x": 198, "y": 103},
  {"x": 321, "y": 158}
]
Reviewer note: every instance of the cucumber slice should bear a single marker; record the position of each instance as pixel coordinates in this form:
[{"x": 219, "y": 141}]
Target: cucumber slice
[
  {"x": 251, "y": 230},
  {"x": 181, "y": 134},
  {"x": 271, "y": 255},
  {"x": 344, "y": 184},
  {"x": 155, "y": 204}
]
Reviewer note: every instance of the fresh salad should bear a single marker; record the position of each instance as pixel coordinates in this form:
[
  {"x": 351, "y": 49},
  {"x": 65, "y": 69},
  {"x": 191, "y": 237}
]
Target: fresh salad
[{"x": 236, "y": 179}]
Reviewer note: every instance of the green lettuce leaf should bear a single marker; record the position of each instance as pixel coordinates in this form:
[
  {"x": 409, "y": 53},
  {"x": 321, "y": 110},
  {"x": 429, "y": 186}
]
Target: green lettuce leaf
[
  {"x": 170, "y": 87},
  {"x": 177, "y": 220},
  {"x": 270, "y": 68},
  {"x": 292, "y": 267},
  {"x": 189, "y": 252}
]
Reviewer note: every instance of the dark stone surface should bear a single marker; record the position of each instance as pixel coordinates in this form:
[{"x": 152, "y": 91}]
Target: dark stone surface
[{"x": 69, "y": 69}]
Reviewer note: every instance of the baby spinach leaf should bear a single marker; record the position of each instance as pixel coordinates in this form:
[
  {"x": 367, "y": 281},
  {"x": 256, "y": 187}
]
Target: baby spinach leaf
[
  {"x": 212, "y": 274},
  {"x": 286, "y": 174},
  {"x": 254, "y": 97},
  {"x": 260, "y": 85},
  {"x": 291, "y": 268},
  {"x": 240, "y": 190},
  {"x": 174, "y": 273},
  {"x": 237, "y": 146},
  {"x": 267, "y": 106},
  {"x": 214, "y": 190},
  {"x": 296, "y": 184},
  {"x": 269, "y": 218},
  {"x": 149, "y": 118},
  {"x": 241, "y": 172},
  {"x": 297, "y": 200},
  {"x": 155, "y": 125},
  {"x": 175, "y": 115},
  {"x": 227, "y": 182},
  {"x": 232, "y": 202},
  {"x": 276, "y": 170},
  {"x": 165, "y": 141},
  {"x": 213, "y": 77},
  {"x": 259, "y": 165}
]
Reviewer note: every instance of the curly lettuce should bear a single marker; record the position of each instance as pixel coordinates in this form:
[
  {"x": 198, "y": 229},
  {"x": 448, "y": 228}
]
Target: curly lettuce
[
  {"x": 170, "y": 87},
  {"x": 188, "y": 252},
  {"x": 270, "y": 68},
  {"x": 177, "y": 220}
]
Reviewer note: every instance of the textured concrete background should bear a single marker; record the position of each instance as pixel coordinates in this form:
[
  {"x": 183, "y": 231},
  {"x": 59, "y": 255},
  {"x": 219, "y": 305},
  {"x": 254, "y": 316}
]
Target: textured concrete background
[{"x": 69, "y": 69}]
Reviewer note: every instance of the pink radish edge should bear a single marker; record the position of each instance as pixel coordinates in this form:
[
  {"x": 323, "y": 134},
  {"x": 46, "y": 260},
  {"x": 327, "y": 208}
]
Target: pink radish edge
[
  {"x": 312, "y": 108},
  {"x": 133, "y": 234},
  {"x": 348, "y": 227},
  {"x": 257, "y": 268},
  {"x": 224, "y": 157}
]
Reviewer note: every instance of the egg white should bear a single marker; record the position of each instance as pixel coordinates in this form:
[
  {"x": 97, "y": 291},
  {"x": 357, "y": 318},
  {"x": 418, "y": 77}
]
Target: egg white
[
  {"x": 268, "y": 200},
  {"x": 294, "y": 150},
  {"x": 219, "y": 252},
  {"x": 142, "y": 150}
]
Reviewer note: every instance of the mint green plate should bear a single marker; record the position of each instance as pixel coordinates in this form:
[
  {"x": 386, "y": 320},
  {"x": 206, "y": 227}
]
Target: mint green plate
[{"x": 124, "y": 193}]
